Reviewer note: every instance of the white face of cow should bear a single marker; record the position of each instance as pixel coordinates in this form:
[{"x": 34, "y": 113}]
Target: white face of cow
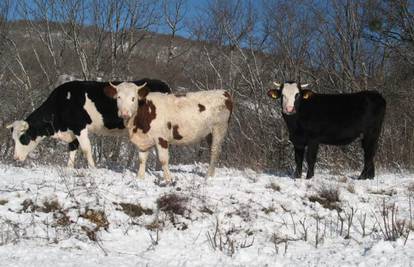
[
  {"x": 290, "y": 96},
  {"x": 21, "y": 150},
  {"x": 290, "y": 93},
  {"x": 127, "y": 98}
]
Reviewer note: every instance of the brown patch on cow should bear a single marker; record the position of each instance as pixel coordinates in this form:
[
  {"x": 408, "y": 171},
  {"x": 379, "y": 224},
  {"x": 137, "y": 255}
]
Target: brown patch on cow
[
  {"x": 169, "y": 125},
  {"x": 228, "y": 102},
  {"x": 143, "y": 92},
  {"x": 163, "y": 143},
  {"x": 110, "y": 91},
  {"x": 145, "y": 115},
  {"x": 201, "y": 108},
  {"x": 180, "y": 94},
  {"x": 176, "y": 134}
]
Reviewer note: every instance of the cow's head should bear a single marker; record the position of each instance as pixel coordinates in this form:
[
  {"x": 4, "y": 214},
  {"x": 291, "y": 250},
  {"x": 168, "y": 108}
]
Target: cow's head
[
  {"x": 23, "y": 143},
  {"x": 291, "y": 93},
  {"x": 127, "y": 96}
]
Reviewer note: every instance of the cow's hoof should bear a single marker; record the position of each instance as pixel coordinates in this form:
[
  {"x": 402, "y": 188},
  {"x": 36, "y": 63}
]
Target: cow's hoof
[
  {"x": 297, "y": 175},
  {"x": 365, "y": 177}
]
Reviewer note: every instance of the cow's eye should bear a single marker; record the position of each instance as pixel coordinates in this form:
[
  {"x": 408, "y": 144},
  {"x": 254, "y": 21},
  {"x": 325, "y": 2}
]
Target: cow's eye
[
  {"x": 133, "y": 99},
  {"x": 297, "y": 96}
]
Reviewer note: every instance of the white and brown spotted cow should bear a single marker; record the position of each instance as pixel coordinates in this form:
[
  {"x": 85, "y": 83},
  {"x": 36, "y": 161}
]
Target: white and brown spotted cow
[{"x": 155, "y": 119}]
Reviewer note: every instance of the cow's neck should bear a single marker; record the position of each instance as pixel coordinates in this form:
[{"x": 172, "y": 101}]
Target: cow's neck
[
  {"x": 41, "y": 124},
  {"x": 291, "y": 121}
]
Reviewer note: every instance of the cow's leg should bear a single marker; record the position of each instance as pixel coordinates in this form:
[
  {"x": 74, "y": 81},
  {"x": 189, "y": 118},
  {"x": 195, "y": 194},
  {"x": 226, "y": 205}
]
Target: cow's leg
[
  {"x": 311, "y": 158},
  {"x": 85, "y": 145},
  {"x": 369, "y": 145},
  {"x": 218, "y": 134},
  {"x": 143, "y": 156},
  {"x": 73, "y": 147},
  {"x": 164, "y": 157},
  {"x": 299, "y": 152}
]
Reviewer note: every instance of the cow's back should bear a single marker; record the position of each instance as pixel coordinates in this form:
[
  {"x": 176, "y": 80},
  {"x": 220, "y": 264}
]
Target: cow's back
[
  {"x": 191, "y": 115},
  {"x": 340, "y": 118}
]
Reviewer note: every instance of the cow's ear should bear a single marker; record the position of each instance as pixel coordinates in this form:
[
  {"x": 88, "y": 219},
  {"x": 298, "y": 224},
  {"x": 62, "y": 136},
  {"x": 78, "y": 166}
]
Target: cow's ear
[
  {"x": 273, "y": 93},
  {"x": 307, "y": 94},
  {"x": 110, "y": 91},
  {"x": 143, "y": 91}
]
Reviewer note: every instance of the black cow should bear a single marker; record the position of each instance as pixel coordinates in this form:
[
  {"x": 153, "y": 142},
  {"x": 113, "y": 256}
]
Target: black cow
[
  {"x": 70, "y": 112},
  {"x": 333, "y": 119}
]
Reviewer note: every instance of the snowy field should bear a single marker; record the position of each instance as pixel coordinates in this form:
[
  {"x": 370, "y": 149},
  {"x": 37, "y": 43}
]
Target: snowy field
[{"x": 53, "y": 216}]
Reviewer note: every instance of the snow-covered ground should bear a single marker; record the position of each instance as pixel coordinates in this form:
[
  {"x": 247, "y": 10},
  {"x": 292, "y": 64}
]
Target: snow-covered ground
[{"x": 53, "y": 216}]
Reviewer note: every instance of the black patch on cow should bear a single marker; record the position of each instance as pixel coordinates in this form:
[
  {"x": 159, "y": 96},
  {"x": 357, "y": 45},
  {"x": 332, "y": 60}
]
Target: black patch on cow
[
  {"x": 201, "y": 108},
  {"x": 176, "y": 134},
  {"x": 58, "y": 113},
  {"x": 74, "y": 145},
  {"x": 145, "y": 115}
]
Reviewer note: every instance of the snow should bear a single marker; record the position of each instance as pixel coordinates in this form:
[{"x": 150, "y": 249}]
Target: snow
[{"x": 260, "y": 222}]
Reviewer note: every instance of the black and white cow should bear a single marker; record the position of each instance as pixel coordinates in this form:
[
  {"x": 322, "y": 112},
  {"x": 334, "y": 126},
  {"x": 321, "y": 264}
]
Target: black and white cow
[
  {"x": 72, "y": 111},
  {"x": 333, "y": 119}
]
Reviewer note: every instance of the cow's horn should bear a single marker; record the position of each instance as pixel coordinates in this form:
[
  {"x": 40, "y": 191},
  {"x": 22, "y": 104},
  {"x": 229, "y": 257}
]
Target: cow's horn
[
  {"x": 304, "y": 85},
  {"x": 112, "y": 85},
  {"x": 277, "y": 84},
  {"x": 142, "y": 86},
  {"x": 25, "y": 126},
  {"x": 9, "y": 126}
]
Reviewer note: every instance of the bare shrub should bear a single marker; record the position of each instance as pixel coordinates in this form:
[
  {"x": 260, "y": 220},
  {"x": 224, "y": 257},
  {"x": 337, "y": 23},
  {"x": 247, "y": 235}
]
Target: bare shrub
[
  {"x": 223, "y": 241},
  {"x": 391, "y": 226}
]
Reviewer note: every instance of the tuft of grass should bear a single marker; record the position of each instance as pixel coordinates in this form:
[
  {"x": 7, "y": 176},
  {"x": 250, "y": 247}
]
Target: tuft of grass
[
  {"x": 268, "y": 210},
  {"x": 351, "y": 188},
  {"x": 172, "y": 203},
  {"x": 274, "y": 186},
  {"x": 135, "y": 210},
  {"x": 98, "y": 217},
  {"x": 46, "y": 207},
  {"x": 385, "y": 192},
  {"x": 50, "y": 206},
  {"x": 328, "y": 197}
]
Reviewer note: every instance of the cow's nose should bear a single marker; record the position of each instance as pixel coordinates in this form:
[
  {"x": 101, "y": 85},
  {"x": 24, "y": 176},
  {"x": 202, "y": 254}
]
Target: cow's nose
[
  {"x": 17, "y": 158},
  {"x": 125, "y": 114},
  {"x": 289, "y": 109}
]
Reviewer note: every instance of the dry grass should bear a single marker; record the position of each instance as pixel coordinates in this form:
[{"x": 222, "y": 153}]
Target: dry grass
[
  {"x": 274, "y": 186},
  {"x": 98, "y": 217},
  {"x": 172, "y": 204},
  {"x": 3, "y": 201},
  {"x": 135, "y": 210},
  {"x": 328, "y": 197}
]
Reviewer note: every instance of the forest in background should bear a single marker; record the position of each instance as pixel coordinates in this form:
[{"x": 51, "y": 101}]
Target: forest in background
[{"x": 239, "y": 45}]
